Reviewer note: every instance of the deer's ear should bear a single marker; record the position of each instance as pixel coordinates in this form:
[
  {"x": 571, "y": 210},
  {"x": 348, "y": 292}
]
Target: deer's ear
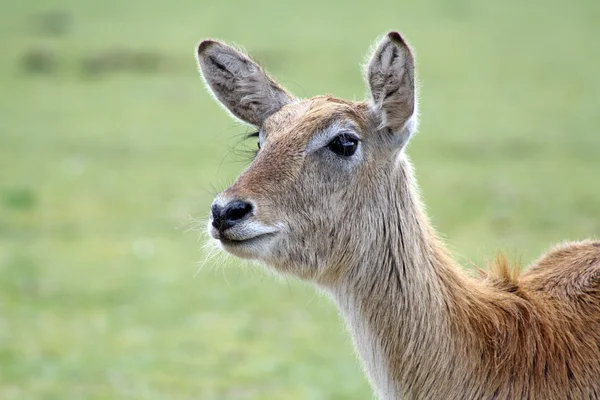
[
  {"x": 391, "y": 79},
  {"x": 239, "y": 83}
]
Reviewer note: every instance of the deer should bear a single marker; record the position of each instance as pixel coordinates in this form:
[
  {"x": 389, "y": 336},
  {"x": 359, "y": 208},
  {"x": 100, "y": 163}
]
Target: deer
[{"x": 331, "y": 198}]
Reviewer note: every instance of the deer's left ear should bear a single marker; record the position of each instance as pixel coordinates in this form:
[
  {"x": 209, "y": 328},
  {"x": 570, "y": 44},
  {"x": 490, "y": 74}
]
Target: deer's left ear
[
  {"x": 391, "y": 79},
  {"x": 239, "y": 83}
]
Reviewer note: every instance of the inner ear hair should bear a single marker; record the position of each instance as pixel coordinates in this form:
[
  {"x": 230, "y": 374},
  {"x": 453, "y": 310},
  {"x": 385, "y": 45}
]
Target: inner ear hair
[
  {"x": 239, "y": 83},
  {"x": 390, "y": 75}
]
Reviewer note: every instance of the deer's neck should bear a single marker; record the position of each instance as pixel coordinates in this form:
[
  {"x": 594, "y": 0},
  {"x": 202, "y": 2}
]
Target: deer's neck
[{"x": 398, "y": 300}]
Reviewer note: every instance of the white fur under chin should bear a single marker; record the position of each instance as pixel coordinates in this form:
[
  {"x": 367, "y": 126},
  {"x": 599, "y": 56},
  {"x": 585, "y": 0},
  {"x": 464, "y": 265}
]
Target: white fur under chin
[{"x": 365, "y": 343}]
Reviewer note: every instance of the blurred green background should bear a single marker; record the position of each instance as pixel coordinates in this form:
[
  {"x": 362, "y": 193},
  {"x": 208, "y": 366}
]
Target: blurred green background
[{"x": 111, "y": 151}]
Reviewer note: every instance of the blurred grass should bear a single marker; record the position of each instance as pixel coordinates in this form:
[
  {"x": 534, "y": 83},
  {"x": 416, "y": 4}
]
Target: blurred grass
[{"x": 109, "y": 143}]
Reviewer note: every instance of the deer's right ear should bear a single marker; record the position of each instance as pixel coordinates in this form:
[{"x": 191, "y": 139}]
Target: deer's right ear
[
  {"x": 391, "y": 78},
  {"x": 239, "y": 83}
]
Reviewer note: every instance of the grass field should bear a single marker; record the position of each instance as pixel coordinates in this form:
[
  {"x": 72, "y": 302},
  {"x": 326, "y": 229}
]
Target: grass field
[{"x": 110, "y": 148}]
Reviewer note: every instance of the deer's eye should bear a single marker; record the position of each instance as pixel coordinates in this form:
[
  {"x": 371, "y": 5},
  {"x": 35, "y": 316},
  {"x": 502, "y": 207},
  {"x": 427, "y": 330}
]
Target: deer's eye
[{"x": 343, "y": 145}]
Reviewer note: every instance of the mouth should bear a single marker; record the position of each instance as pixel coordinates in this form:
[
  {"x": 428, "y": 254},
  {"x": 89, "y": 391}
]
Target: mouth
[
  {"x": 235, "y": 242},
  {"x": 249, "y": 239}
]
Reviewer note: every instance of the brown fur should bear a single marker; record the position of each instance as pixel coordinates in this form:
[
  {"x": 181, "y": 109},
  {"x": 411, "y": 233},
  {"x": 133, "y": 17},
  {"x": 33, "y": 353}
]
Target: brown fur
[{"x": 423, "y": 327}]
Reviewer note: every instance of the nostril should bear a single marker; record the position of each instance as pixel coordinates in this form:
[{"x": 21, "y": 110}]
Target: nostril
[
  {"x": 225, "y": 217},
  {"x": 236, "y": 210},
  {"x": 217, "y": 219},
  {"x": 215, "y": 210}
]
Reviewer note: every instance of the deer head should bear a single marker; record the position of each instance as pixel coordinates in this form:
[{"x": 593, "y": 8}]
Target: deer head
[{"x": 323, "y": 185}]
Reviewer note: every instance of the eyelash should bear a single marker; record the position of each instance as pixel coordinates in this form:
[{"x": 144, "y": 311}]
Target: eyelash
[
  {"x": 252, "y": 136},
  {"x": 330, "y": 146}
]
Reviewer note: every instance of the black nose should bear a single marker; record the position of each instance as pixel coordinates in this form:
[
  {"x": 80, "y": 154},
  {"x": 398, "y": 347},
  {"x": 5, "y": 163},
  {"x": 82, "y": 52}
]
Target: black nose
[{"x": 233, "y": 212}]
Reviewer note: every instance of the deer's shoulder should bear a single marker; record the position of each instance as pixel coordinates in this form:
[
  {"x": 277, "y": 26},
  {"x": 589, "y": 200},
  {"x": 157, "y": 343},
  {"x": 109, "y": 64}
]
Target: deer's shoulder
[{"x": 570, "y": 269}]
